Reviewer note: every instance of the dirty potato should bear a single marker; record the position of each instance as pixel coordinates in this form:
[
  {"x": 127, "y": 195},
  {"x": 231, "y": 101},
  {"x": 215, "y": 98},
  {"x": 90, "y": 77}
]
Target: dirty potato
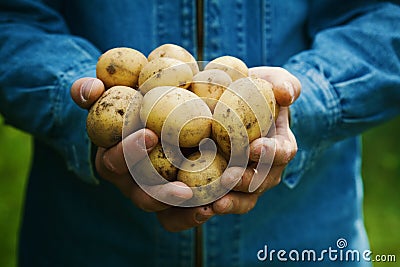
[
  {"x": 106, "y": 118},
  {"x": 164, "y": 71},
  {"x": 177, "y": 115},
  {"x": 177, "y": 52},
  {"x": 202, "y": 173},
  {"x": 244, "y": 112},
  {"x": 148, "y": 170},
  {"x": 120, "y": 66},
  {"x": 209, "y": 85},
  {"x": 233, "y": 66}
]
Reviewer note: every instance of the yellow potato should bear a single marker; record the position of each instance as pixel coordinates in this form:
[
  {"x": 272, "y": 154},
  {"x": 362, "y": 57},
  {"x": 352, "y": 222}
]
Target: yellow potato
[
  {"x": 202, "y": 172},
  {"x": 233, "y": 66},
  {"x": 120, "y": 66},
  {"x": 244, "y": 112},
  {"x": 176, "y": 115},
  {"x": 177, "y": 52},
  {"x": 106, "y": 118},
  {"x": 148, "y": 170},
  {"x": 209, "y": 85},
  {"x": 164, "y": 71},
  {"x": 266, "y": 90}
]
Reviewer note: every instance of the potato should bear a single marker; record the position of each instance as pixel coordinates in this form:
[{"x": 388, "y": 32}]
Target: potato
[
  {"x": 209, "y": 85},
  {"x": 202, "y": 172},
  {"x": 149, "y": 169},
  {"x": 233, "y": 66},
  {"x": 120, "y": 66},
  {"x": 177, "y": 52},
  {"x": 266, "y": 90},
  {"x": 244, "y": 112},
  {"x": 164, "y": 71},
  {"x": 106, "y": 118},
  {"x": 176, "y": 115}
]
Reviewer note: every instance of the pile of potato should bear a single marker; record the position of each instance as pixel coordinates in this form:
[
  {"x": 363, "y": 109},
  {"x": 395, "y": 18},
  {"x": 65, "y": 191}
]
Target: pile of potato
[{"x": 185, "y": 106}]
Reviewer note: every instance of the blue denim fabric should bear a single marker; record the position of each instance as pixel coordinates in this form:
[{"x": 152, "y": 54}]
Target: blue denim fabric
[{"x": 345, "y": 53}]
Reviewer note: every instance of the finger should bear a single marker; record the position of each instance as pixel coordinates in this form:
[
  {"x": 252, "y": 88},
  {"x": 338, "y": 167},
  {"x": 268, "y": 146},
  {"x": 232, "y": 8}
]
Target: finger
[
  {"x": 232, "y": 177},
  {"x": 149, "y": 200},
  {"x": 176, "y": 192},
  {"x": 132, "y": 149},
  {"x": 123, "y": 182},
  {"x": 86, "y": 91},
  {"x": 235, "y": 203},
  {"x": 272, "y": 179},
  {"x": 265, "y": 179},
  {"x": 285, "y": 85},
  {"x": 282, "y": 145},
  {"x": 286, "y": 145},
  {"x": 178, "y": 219},
  {"x": 236, "y": 178},
  {"x": 282, "y": 148}
]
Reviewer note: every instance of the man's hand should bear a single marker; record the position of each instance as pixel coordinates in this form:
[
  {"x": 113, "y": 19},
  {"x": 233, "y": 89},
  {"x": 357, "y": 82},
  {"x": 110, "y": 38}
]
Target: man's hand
[
  {"x": 286, "y": 89},
  {"x": 110, "y": 165}
]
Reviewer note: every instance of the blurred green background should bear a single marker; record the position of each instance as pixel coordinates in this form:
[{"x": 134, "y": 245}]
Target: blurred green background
[{"x": 381, "y": 170}]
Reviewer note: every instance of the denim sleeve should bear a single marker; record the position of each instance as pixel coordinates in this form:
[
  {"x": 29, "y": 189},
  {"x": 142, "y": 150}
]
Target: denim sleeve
[
  {"x": 350, "y": 81},
  {"x": 39, "y": 62}
]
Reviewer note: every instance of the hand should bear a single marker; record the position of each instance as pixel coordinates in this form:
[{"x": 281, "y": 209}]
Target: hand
[
  {"x": 110, "y": 165},
  {"x": 286, "y": 89}
]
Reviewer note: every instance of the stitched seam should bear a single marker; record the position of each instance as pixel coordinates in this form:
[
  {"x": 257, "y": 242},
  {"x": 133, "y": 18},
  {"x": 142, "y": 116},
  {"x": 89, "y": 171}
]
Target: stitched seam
[{"x": 240, "y": 37}]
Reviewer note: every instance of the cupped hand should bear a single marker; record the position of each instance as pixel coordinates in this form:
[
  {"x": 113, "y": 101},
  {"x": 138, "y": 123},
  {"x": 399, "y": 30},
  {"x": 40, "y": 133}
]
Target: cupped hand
[
  {"x": 286, "y": 86},
  {"x": 111, "y": 165},
  {"x": 282, "y": 143}
]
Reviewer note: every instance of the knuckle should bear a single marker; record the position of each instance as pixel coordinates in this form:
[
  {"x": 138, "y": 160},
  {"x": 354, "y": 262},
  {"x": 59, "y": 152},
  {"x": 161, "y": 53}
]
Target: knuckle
[
  {"x": 294, "y": 152},
  {"x": 277, "y": 180},
  {"x": 262, "y": 188},
  {"x": 289, "y": 150},
  {"x": 250, "y": 205}
]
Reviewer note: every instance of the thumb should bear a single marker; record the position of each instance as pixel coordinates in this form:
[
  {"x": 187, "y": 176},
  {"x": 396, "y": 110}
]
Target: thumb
[
  {"x": 86, "y": 91},
  {"x": 286, "y": 86},
  {"x": 130, "y": 151}
]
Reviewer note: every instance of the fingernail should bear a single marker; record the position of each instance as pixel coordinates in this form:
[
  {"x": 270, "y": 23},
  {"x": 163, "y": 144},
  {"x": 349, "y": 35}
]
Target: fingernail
[
  {"x": 268, "y": 146},
  {"x": 149, "y": 141},
  {"x": 289, "y": 88},
  {"x": 108, "y": 164},
  {"x": 257, "y": 152},
  {"x": 86, "y": 89},
  {"x": 146, "y": 142},
  {"x": 260, "y": 151}
]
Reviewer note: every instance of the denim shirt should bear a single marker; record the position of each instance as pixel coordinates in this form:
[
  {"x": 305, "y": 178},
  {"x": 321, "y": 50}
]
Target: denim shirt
[{"x": 345, "y": 53}]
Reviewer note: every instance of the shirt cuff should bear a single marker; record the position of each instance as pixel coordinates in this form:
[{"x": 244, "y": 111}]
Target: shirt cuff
[{"x": 73, "y": 142}]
